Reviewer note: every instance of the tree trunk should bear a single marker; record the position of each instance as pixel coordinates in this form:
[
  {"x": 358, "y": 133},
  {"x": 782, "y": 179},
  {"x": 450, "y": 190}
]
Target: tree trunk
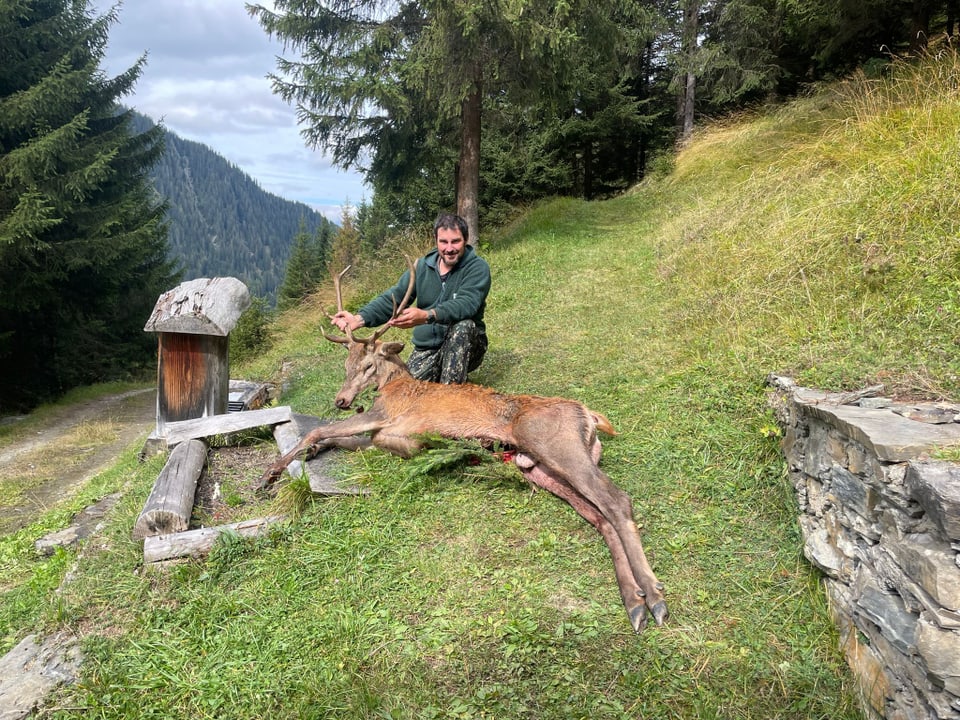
[
  {"x": 691, "y": 16},
  {"x": 688, "y": 98},
  {"x": 919, "y": 26},
  {"x": 645, "y": 80},
  {"x": 588, "y": 170},
  {"x": 468, "y": 177}
]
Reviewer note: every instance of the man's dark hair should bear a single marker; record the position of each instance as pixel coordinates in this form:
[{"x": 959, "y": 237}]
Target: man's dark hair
[{"x": 449, "y": 221}]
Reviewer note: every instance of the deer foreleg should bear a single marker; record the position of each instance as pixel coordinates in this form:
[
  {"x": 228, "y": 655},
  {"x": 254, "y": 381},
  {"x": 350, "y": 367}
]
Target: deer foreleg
[
  {"x": 345, "y": 434},
  {"x": 630, "y": 591},
  {"x": 398, "y": 443},
  {"x": 354, "y": 442}
]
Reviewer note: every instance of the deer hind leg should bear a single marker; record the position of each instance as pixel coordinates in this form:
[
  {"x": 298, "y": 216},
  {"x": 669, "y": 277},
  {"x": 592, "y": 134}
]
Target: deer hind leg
[
  {"x": 617, "y": 508},
  {"x": 569, "y": 457},
  {"x": 630, "y": 592},
  {"x": 659, "y": 608}
]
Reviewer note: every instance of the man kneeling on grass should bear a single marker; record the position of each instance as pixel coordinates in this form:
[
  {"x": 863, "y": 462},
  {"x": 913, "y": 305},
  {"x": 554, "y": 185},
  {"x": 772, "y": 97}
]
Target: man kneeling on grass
[{"x": 452, "y": 284}]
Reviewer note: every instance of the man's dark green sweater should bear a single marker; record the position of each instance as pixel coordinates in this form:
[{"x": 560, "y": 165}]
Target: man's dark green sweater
[{"x": 460, "y": 296}]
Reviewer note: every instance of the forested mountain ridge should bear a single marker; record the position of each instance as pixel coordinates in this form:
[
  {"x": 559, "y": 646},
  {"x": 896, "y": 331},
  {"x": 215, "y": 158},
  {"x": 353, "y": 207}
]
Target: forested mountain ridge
[{"x": 221, "y": 222}]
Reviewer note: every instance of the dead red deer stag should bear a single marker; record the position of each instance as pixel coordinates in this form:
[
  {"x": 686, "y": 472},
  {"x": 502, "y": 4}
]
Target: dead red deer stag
[{"x": 555, "y": 439}]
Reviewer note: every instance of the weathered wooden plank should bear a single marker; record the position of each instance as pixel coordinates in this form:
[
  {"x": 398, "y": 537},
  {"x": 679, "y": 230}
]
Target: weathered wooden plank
[
  {"x": 177, "y": 432},
  {"x": 195, "y": 543},
  {"x": 170, "y": 505}
]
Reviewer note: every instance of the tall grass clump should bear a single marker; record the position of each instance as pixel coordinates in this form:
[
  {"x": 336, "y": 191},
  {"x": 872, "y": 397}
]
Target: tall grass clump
[
  {"x": 818, "y": 239},
  {"x": 838, "y": 241}
]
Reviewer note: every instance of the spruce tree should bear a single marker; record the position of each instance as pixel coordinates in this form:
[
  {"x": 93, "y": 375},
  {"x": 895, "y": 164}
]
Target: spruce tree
[
  {"x": 300, "y": 276},
  {"x": 404, "y": 82},
  {"x": 83, "y": 252},
  {"x": 307, "y": 266}
]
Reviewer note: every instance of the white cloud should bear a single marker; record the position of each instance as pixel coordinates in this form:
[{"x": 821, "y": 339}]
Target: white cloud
[{"x": 206, "y": 80}]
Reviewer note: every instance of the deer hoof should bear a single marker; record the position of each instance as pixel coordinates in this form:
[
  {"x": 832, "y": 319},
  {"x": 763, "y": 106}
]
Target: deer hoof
[
  {"x": 660, "y": 612},
  {"x": 266, "y": 482},
  {"x": 638, "y": 618}
]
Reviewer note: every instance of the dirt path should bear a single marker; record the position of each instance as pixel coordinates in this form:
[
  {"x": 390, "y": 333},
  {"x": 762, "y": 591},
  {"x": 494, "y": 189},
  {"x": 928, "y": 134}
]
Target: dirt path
[{"x": 45, "y": 465}]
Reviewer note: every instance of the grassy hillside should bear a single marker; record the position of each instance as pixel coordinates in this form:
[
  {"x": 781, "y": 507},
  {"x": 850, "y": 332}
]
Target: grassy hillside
[{"x": 819, "y": 240}]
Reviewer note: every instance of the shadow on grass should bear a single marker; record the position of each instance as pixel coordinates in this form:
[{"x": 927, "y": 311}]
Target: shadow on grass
[{"x": 497, "y": 365}]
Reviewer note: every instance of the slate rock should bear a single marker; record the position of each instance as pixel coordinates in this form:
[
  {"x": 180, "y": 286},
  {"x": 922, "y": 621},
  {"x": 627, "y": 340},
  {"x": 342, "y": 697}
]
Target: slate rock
[{"x": 935, "y": 485}]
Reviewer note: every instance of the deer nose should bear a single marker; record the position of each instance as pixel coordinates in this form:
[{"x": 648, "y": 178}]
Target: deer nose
[{"x": 342, "y": 403}]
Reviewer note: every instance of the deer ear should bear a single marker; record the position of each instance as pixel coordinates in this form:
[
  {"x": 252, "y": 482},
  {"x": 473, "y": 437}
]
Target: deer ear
[{"x": 390, "y": 348}]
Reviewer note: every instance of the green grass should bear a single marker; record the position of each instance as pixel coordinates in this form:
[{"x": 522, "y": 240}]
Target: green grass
[
  {"x": 820, "y": 240},
  {"x": 29, "y": 580}
]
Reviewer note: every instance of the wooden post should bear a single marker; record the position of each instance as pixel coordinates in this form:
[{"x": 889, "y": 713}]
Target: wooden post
[
  {"x": 170, "y": 505},
  {"x": 194, "y": 321},
  {"x": 192, "y": 380}
]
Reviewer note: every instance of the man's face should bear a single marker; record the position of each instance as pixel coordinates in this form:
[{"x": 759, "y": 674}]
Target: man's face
[{"x": 451, "y": 245}]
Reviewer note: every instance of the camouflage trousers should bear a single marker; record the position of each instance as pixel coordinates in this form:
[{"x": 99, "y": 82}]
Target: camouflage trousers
[{"x": 462, "y": 352}]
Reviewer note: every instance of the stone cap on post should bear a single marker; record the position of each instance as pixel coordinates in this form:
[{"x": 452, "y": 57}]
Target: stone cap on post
[{"x": 205, "y": 306}]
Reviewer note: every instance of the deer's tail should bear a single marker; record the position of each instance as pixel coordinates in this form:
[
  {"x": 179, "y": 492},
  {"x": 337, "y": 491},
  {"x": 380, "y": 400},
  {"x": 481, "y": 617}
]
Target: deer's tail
[{"x": 603, "y": 425}]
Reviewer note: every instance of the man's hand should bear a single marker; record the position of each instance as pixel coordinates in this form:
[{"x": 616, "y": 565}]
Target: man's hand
[
  {"x": 346, "y": 320},
  {"x": 411, "y": 317}
]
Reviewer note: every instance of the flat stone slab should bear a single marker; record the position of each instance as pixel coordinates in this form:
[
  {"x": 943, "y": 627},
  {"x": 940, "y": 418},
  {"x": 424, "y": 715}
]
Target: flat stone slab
[
  {"x": 33, "y": 669},
  {"x": 289, "y": 434},
  {"x": 936, "y": 486},
  {"x": 892, "y": 436},
  {"x": 81, "y": 527}
]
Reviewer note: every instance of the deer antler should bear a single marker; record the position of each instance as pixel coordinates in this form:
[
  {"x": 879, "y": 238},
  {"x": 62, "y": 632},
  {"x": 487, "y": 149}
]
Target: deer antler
[
  {"x": 336, "y": 286},
  {"x": 397, "y": 309}
]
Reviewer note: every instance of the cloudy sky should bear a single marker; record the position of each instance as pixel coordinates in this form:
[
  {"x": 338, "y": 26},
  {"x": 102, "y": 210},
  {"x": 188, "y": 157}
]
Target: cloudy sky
[{"x": 205, "y": 79}]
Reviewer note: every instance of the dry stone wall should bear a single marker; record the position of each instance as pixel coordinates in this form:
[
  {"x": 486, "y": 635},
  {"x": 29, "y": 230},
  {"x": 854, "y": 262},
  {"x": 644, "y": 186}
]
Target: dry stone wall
[{"x": 881, "y": 519}]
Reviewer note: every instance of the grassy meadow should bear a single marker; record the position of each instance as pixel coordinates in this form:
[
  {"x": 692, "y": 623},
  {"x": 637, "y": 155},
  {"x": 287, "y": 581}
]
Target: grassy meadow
[{"x": 819, "y": 239}]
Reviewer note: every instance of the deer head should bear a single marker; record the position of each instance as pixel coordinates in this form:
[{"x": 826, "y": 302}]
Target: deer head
[{"x": 370, "y": 361}]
